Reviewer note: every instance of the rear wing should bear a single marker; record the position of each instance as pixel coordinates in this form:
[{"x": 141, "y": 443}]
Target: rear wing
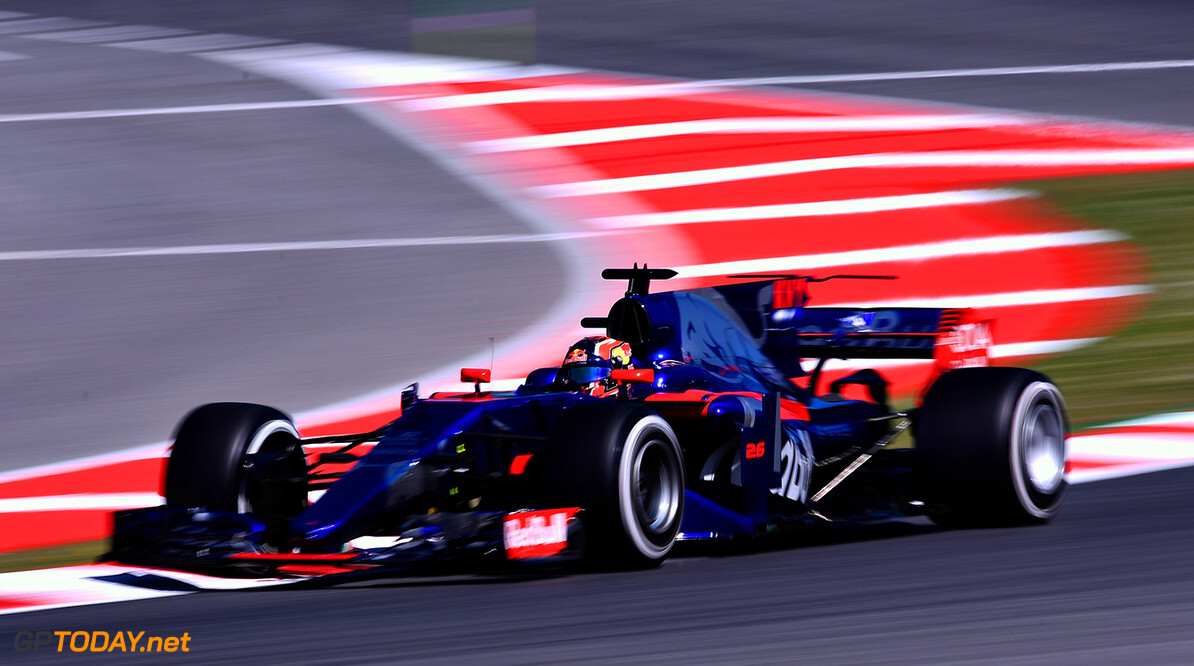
[
  {"x": 788, "y": 331},
  {"x": 865, "y": 333}
]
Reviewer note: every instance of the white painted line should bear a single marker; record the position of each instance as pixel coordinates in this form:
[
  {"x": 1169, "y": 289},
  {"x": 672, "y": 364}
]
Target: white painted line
[
  {"x": 110, "y": 34},
  {"x": 143, "y": 452},
  {"x": 102, "y": 501},
  {"x": 195, "y": 43},
  {"x": 293, "y": 246},
  {"x": 916, "y": 252},
  {"x": 783, "y": 124},
  {"x": 203, "y": 108},
  {"x": 1007, "y": 299},
  {"x": 566, "y": 93},
  {"x": 19, "y": 26},
  {"x": 561, "y": 93},
  {"x": 338, "y": 68},
  {"x": 944, "y": 158},
  {"x": 813, "y": 208},
  {"x": 959, "y": 73}
]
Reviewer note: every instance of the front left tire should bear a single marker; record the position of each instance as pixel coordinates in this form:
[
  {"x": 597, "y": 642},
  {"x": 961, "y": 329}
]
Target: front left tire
[
  {"x": 623, "y": 465},
  {"x": 241, "y": 458}
]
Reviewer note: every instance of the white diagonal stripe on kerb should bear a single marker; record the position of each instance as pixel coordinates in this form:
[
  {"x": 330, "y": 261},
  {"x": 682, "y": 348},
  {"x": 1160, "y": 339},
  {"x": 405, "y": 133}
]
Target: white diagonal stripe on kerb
[
  {"x": 1041, "y": 347},
  {"x": 1005, "y": 299},
  {"x": 1126, "y": 446},
  {"x": 944, "y": 158},
  {"x": 760, "y": 125},
  {"x": 914, "y": 252},
  {"x": 108, "y": 501},
  {"x": 813, "y": 208}
]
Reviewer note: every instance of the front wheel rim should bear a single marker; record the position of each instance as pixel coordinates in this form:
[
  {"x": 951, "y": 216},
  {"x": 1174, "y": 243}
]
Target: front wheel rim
[{"x": 655, "y": 479}]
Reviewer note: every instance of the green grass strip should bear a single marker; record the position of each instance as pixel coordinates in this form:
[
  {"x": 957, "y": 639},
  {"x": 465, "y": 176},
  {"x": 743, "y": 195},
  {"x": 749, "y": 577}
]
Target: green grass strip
[
  {"x": 58, "y": 556},
  {"x": 1148, "y": 367},
  {"x": 427, "y": 8}
]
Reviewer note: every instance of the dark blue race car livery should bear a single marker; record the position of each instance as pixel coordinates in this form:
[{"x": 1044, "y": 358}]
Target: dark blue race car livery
[{"x": 719, "y": 428}]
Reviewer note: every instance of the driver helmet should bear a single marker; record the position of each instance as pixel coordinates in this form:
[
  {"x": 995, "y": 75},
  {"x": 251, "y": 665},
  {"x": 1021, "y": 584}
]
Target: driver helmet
[{"x": 589, "y": 362}]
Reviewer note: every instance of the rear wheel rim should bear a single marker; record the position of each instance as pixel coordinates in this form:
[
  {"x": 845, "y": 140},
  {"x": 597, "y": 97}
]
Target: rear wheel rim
[{"x": 1042, "y": 442}]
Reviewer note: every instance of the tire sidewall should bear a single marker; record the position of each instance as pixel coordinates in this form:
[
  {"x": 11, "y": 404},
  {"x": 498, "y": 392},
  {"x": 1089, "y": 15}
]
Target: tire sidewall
[
  {"x": 589, "y": 463},
  {"x": 649, "y": 431},
  {"x": 971, "y": 451},
  {"x": 1037, "y": 503},
  {"x": 206, "y": 467}
]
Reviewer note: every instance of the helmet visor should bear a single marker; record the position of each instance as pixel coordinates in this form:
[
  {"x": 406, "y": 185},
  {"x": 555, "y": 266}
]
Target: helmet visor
[{"x": 585, "y": 374}]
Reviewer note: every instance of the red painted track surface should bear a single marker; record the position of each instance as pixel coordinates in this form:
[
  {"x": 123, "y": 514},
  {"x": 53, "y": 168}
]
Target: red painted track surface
[{"x": 848, "y": 189}]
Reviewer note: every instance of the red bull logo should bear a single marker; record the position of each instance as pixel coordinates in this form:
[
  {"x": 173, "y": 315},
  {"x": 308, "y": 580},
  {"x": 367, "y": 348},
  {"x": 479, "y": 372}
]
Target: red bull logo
[
  {"x": 576, "y": 355},
  {"x": 617, "y": 352},
  {"x": 536, "y": 533}
]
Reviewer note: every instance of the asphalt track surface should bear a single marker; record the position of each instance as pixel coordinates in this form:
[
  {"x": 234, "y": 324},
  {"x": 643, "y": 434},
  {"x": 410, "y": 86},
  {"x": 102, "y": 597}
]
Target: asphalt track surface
[
  {"x": 704, "y": 39},
  {"x": 102, "y": 354},
  {"x": 1107, "y": 582}
]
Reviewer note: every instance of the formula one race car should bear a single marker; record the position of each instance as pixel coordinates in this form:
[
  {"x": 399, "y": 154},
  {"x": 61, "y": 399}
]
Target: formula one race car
[{"x": 691, "y": 418}]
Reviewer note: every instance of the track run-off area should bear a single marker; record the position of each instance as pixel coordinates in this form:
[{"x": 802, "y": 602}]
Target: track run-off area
[{"x": 711, "y": 179}]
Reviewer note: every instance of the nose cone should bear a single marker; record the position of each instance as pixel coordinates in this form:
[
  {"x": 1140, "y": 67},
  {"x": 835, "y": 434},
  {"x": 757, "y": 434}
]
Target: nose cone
[{"x": 356, "y": 504}]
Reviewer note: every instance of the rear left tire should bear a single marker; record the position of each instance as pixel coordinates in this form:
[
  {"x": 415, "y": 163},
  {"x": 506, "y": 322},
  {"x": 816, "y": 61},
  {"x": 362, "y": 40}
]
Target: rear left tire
[{"x": 990, "y": 447}]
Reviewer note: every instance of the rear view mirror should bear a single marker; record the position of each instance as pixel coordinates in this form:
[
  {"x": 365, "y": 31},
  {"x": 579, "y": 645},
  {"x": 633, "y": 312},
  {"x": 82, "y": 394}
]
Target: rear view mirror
[{"x": 477, "y": 376}]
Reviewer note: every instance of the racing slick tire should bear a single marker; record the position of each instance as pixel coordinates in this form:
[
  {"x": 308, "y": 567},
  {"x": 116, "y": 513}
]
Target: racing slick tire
[
  {"x": 238, "y": 457},
  {"x": 991, "y": 447},
  {"x": 622, "y": 464}
]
